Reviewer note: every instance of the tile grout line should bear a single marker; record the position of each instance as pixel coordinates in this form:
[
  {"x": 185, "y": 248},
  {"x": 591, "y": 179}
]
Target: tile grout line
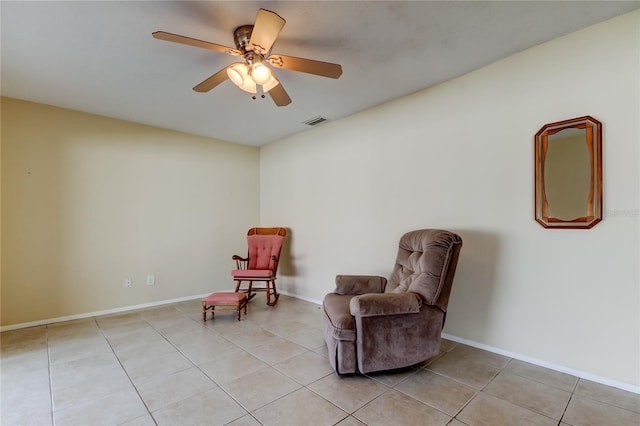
[
  {"x": 315, "y": 393},
  {"x": 184, "y": 355},
  {"x": 529, "y": 409},
  {"x": 307, "y": 350},
  {"x": 51, "y": 340},
  {"x": 610, "y": 404},
  {"x": 566, "y": 407},
  {"x": 125, "y": 371},
  {"x": 479, "y": 391},
  {"x": 417, "y": 370},
  {"x": 540, "y": 381},
  {"x": 53, "y": 417},
  {"x": 198, "y": 367},
  {"x": 426, "y": 368}
]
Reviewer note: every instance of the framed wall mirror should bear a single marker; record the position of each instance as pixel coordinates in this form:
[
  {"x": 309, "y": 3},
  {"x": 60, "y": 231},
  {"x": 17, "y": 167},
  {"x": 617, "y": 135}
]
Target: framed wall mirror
[{"x": 568, "y": 174}]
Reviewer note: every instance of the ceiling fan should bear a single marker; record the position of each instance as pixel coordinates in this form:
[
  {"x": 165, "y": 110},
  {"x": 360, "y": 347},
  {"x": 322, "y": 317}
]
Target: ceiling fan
[{"x": 253, "y": 43}]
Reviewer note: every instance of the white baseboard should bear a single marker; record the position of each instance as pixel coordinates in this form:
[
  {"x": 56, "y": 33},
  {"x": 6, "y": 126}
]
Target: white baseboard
[
  {"x": 127, "y": 309},
  {"x": 560, "y": 368},
  {"x": 581, "y": 374},
  {"x": 306, "y": 299},
  {"x": 99, "y": 313}
]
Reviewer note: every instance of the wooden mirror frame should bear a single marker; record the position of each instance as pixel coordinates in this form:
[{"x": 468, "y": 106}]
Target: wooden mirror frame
[{"x": 593, "y": 139}]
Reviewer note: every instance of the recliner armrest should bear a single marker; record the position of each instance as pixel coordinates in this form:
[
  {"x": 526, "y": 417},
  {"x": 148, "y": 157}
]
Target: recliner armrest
[
  {"x": 371, "y": 305},
  {"x": 359, "y": 284}
]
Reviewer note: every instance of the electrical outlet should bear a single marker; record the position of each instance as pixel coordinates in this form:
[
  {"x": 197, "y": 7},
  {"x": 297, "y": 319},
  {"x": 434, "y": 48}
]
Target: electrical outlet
[
  {"x": 128, "y": 283},
  {"x": 151, "y": 280}
]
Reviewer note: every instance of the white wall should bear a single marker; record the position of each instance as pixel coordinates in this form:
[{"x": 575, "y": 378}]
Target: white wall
[
  {"x": 460, "y": 156},
  {"x": 89, "y": 200}
]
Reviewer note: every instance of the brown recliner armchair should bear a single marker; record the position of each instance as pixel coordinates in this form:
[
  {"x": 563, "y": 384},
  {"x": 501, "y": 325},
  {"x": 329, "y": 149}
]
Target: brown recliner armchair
[{"x": 372, "y": 325}]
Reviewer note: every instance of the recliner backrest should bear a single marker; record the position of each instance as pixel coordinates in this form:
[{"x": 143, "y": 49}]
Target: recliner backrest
[{"x": 425, "y": 265}]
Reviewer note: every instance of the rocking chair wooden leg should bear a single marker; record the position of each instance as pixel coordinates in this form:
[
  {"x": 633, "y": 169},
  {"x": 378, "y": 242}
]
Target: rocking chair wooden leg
[
  {"x": 250, "y": 293},
  {"x": 271, "y": 287},
  {"x": 268, "y": 291}
]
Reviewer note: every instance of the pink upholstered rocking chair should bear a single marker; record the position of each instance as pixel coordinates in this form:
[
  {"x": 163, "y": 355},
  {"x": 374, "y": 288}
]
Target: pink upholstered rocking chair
[{"x": 261, "y": 263}]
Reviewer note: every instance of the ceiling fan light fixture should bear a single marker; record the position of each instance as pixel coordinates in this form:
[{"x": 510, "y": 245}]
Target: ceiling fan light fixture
[
  {"x": 234, "y": 71},
  {"x": 239, "y": 74},
  {"x": 261, "y": 73}
]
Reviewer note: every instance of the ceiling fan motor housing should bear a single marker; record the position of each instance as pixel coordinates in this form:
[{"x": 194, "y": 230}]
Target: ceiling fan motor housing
[{"x": 242, "y": 36}]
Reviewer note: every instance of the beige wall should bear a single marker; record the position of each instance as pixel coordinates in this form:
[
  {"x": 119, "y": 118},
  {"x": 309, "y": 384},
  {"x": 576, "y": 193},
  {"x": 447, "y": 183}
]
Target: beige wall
[
  {"x": 460, "y": 156},
  {"x": 88, "y": 201}
]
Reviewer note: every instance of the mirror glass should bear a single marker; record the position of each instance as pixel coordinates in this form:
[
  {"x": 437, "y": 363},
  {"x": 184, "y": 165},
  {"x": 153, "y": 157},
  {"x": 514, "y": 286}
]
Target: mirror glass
[{"x": 568, "y": 165}]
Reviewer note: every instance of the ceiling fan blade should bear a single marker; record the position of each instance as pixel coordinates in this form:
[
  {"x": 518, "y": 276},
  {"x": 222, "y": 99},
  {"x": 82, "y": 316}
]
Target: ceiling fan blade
[
  {"x": 280, "y": 96},
  {"x": 309, "y": 66},
  {"x": 265, "y": 31},
  {"x": 161, "y": 35},
  {"x": 212, "y": 81}
]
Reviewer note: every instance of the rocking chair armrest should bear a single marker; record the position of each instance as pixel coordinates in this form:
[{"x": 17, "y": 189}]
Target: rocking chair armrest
[
  {"x": 241, "y": 262},
  {"x": 373, "y": 305},
  {"x": 359, "y": 284}
]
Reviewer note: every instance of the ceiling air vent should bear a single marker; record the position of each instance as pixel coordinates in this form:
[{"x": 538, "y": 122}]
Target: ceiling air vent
[{"x": 314, "y": 121}]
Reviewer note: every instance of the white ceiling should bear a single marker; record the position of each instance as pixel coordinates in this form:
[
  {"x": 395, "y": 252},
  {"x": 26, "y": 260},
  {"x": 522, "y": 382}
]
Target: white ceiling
[{"x": 99, "y": 57}]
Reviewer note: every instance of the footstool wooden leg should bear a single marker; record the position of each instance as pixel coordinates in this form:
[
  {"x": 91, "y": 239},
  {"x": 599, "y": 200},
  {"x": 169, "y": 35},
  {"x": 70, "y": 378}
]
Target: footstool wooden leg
[{"x": 242, "y": 304}]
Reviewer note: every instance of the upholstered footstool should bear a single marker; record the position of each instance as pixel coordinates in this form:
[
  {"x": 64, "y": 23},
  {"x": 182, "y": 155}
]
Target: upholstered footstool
[{"x": 225, "y": 302}]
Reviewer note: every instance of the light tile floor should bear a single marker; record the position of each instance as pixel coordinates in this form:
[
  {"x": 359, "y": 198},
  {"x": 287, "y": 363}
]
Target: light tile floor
[{"x": 164, "y": 366}]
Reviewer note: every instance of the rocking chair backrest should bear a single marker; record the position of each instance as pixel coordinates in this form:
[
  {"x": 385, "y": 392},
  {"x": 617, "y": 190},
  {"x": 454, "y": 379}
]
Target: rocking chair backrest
[{"x": 265, "y": 244}]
